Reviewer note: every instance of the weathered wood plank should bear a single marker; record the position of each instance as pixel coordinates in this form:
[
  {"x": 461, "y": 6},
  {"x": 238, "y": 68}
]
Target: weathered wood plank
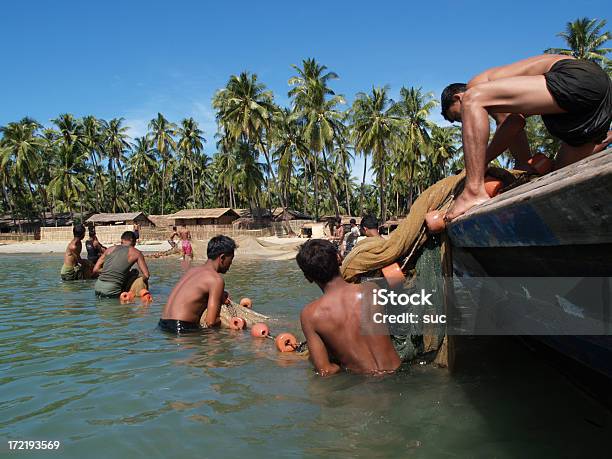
[{"x": 570, "y": 206}]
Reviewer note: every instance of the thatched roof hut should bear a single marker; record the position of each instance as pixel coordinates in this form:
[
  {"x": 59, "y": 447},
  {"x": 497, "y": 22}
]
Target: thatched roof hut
[
  {"x": 125, "y": 218},
  {"x": 215, "y": 216}
]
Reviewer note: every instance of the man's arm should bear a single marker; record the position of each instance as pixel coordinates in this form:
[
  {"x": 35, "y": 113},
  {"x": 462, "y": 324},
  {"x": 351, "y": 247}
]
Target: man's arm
[
  {"x": 142, "y": 265},
  {"x": 213, "y": 308},
  {"x": 316, "y": 348},
  {"x": 510, "y": 133},
  {"x": 98, "y": 267}
]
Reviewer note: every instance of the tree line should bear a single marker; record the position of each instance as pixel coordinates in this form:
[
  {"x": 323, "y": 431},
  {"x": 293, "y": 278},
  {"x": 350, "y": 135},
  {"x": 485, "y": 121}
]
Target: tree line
[{"x": 265, "y": 155}]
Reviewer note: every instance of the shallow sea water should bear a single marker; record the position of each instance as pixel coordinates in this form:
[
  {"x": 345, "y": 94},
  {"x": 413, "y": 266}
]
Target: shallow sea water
[{"x": 101, "y": 378}]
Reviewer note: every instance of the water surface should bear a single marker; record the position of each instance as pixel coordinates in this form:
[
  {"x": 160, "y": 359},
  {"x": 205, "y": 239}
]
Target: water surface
[{"x": 99, "y": 377}]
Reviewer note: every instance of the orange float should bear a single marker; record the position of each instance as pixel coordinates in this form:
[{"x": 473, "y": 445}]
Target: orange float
[
  {"x": 144, "y": 292},
  {"x": 393, "y": 275},
  {"x": 126, "y": 297},
  {"x": 237, "y": 323},
  {"x": 435, "y": 221},
  {"x": 286, "y": 342},
  {"x": 246, "y": 302},
  {"x": 541, "y": 163},
  {"x": 260, "y": 330},
  {"x": 492, "y": 185}
]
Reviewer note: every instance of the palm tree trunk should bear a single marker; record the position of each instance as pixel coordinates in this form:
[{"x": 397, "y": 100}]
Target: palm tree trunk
[
  {"x": 383, "y": 204},
  {"x": 316, "y": 187},
  {"x": 305, "y": 190},
  {"x": 192, "y": 186},
  {"x": 348, "y": 199},
  {"x": 163, "y": 186},
  {"x": 365, "y": 168},
  {"x": 332, "y": 188}
]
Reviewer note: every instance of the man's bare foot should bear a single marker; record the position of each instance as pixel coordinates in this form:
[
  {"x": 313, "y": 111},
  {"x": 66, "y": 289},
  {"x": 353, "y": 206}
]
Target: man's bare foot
[{"x": 464, "y": 202}]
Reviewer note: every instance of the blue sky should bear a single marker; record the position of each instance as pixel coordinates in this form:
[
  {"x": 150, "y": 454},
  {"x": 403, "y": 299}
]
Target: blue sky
[{"x": 132, "y": 59}]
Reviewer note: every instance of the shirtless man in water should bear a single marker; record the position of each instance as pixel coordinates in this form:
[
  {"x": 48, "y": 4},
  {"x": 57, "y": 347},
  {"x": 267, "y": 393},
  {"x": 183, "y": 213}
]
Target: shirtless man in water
[
  {"x": 74, "y": 267},
  {"x": 573, "y": 96},
  {"x": 332, "y": 324},
  {"x": 201, "y": 288}
]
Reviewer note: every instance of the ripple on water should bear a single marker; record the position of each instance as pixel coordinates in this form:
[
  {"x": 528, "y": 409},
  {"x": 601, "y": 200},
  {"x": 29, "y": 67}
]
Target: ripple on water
[{"x": 99, "y": 376}]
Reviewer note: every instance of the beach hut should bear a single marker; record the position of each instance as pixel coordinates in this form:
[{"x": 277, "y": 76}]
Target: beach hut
[
  {"x": 162, "y": 221},
  {"x": 127, "y": 218},
  {"x": 279, "y": 214},
  {"x": 204, "y": 217}
]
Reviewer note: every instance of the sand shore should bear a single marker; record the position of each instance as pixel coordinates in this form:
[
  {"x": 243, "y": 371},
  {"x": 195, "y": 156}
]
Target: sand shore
[{"x": 60, "y": 247}]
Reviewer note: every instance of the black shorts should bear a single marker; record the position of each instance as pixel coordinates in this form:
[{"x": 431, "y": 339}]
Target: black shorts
[
  {"x": 584, "y": 90},
  {"x": 178, "y": 326}
]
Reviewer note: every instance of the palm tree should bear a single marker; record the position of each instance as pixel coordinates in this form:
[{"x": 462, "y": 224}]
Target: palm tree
[
  {"x": 290, "y": 146},
  {"x": 143, "y": 166},
  {"x": 92, "y": 142},
  {"x": 22, "y": 149},
  {"x": 190, "y": 145},
  {"x": 244, "y": 111},
  {"x": 115, "y": 143},
  {"x": 67, "y": 183},
  {"x": 414, "y": 108},
  {"x": 374, "y": 129},
  {"x": 584, "y": 38},
  {"x": 317, "y": 105},
  {"x": 162, "y": 133},
  {"x": 343, "y": 157}
]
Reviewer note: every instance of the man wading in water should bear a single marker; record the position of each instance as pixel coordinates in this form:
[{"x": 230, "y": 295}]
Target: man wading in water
[
  {"x": 115, "y": 275},
  {"x": 74, "y": 267},
  {"x": 201, "y": 288},
  {"x": 573, "y": 96},
  {"x": 332, "y": 324},
  {"x": 93, "y": 247}
]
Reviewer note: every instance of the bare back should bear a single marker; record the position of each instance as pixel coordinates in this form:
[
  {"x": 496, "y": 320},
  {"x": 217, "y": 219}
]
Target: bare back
[
  {"x": 200, "y": 288},
  {"x": 335, "y": 318},
  {"x": 537, "y": 65},
  {"x": 72, "y": 255}
]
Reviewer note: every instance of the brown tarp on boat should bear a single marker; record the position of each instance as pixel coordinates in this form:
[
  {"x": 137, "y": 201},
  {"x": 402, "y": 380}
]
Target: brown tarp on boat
[{"x": 372, "y": 254}]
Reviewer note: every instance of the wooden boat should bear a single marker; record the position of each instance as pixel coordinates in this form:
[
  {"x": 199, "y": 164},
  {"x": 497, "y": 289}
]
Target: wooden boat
[{"x": 557, "y": 226}]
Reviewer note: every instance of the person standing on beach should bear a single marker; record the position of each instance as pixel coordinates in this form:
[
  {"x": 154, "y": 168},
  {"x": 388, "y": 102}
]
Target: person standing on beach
[
  {"x": 74, "y": 267},
  {"x": 573, "y": 96},
  {"x": 332, "y": 324},
  {"x": 185, "y": 237},
  {"x": 114, "y": 269},
  {"x": 94, "y": 247},
  {"x": 201, "y": 289}
]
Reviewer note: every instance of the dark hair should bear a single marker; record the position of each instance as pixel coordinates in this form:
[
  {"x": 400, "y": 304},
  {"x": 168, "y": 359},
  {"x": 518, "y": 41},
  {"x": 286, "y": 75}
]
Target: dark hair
[
  {"x": 318, "y": 260},
  {"x": 446, "y": 98},
  {"x": 353, "y": 221},
  {"x": 220, "y": 245},
  {"x": 78, "y": 231},
  {"x": 129, "y": 236},
  {"x": 174, "y": 228},
  {"x": 92, "y": 231},
  {"x": 369, "y": 222}
]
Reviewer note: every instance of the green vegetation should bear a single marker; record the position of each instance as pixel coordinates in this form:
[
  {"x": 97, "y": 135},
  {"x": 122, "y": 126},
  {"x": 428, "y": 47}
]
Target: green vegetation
[{"x": 264, "y": 155}]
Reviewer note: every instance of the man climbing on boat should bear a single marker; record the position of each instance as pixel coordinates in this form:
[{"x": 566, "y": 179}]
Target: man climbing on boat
[
  {"x": 332, "y": 324},
  {"x": 573, "y": 96},
  {"x": 200, "y": 289}
]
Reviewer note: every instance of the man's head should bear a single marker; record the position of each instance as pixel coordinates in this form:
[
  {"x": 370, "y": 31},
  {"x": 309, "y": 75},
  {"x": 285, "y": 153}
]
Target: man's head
[
  {"x": 353, "y": 222},
  {"x": 92, "y": 231},
  {"x": 221, "y": 250},
  {"x": 319, "y": 260},
  {"x": 78, "y": 231},
  {"x": 174, "y": 228},
  {"x": 128, "y": 238},
  {"x": 369, "y": 225},
  {"x": 451, "y": 101}
]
